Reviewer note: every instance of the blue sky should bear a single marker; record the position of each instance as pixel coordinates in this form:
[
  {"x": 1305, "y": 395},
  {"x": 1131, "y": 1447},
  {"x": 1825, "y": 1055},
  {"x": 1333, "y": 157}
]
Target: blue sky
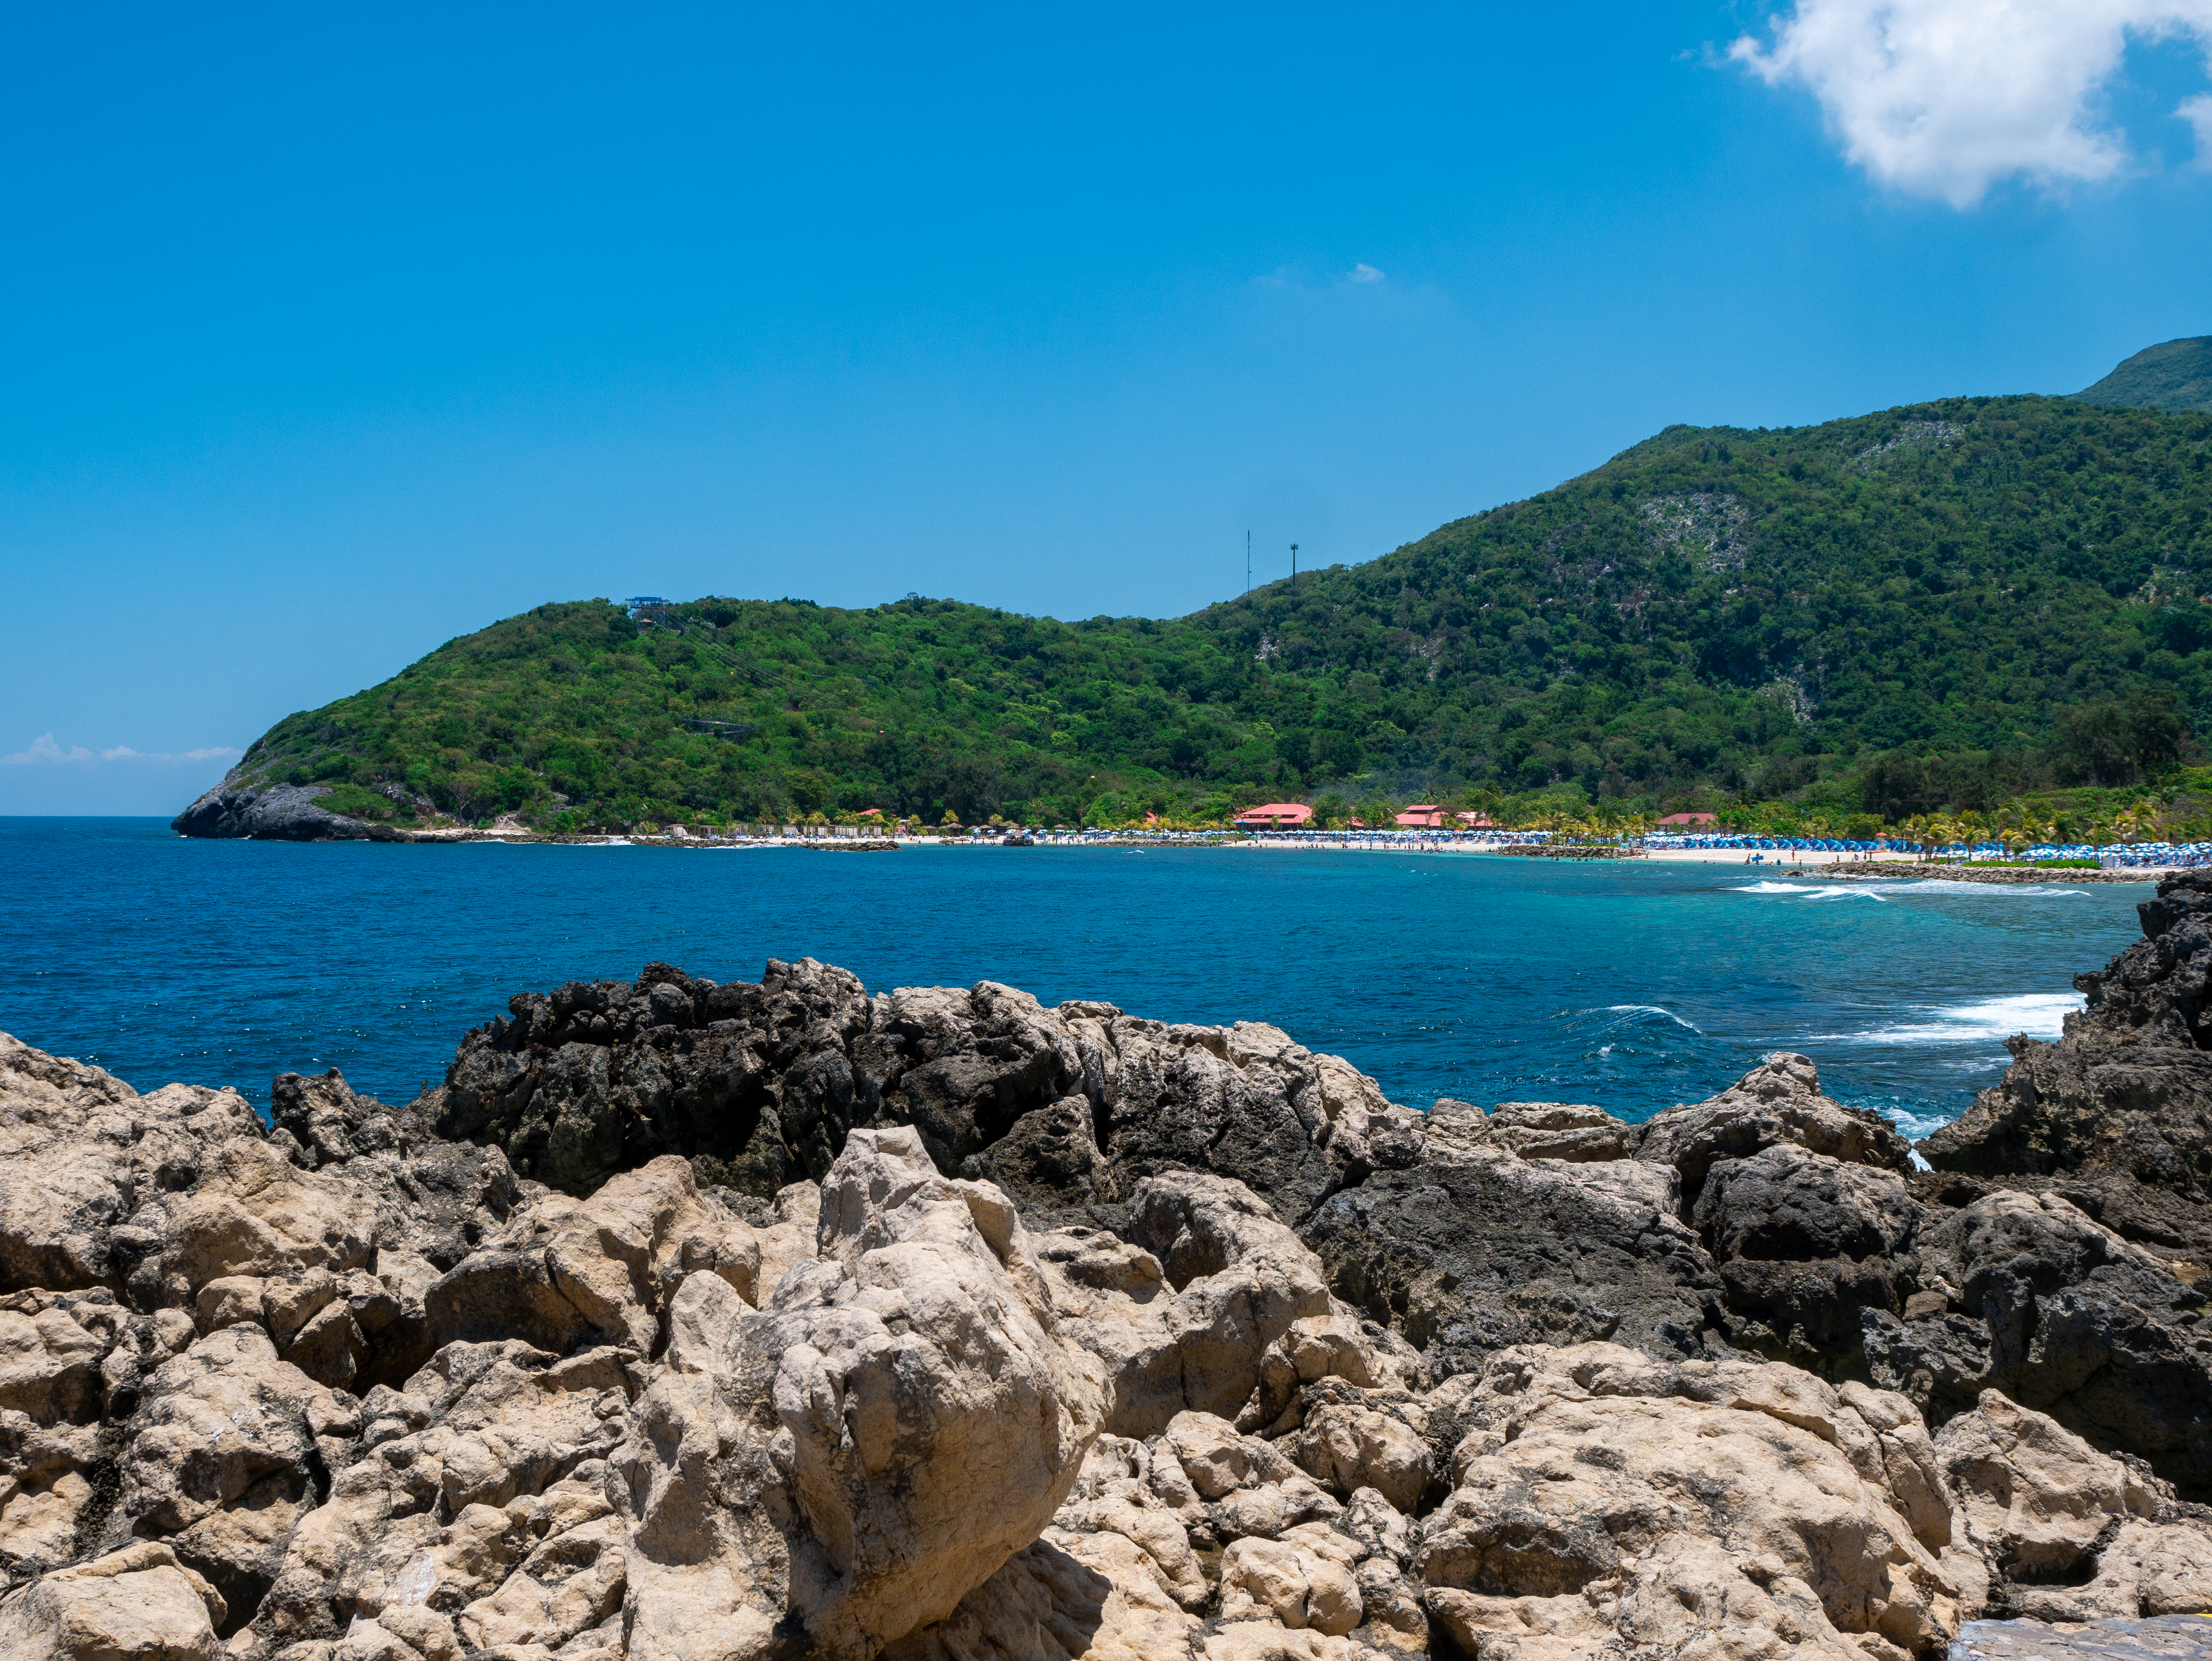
[{"x": 334, "y": 332}]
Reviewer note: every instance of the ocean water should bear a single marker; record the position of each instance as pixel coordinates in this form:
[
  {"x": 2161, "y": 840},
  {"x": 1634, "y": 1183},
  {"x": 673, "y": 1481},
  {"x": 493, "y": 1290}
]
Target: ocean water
[{"x": 1632, "y": 986}]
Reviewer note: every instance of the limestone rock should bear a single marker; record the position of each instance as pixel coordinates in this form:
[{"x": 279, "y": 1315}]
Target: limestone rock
[
  {"x": 136, "y": 1604},
  {"x": 81, "y": 1152},
  {"x": 491, "y": 1452},
  {"x": 1593, "y": 1510},
  {"x": 1067, "y": 1598},
  {"x": 2068, "y": 1533},
  {"x": 1211, "y": 1305},
  {"x": 902, "y": 1417},
  {"x": 566, "y": 1272},
  {"x": 1558, "y": 1130},
  {"x": 224, "y": 1457},
  {"x": 1347, "y": 1447}
]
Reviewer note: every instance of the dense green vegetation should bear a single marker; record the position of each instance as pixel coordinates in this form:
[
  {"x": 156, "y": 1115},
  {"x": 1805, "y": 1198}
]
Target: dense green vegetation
[
  {"x": 2174, "y": 375},
  {"x": 1941, "y": 606}
]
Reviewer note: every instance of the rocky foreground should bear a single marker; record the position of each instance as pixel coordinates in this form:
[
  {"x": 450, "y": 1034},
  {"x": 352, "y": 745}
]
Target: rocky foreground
[{"x": 784, "y": 1319}]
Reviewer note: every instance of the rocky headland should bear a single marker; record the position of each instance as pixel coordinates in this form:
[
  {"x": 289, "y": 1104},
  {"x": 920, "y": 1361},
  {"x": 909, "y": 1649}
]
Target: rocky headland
[{"x": 692, "y": 1321}]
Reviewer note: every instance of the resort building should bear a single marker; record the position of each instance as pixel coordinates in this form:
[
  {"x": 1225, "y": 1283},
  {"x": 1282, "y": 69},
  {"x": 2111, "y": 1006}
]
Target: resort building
[{"x": 1275, "y": 815}]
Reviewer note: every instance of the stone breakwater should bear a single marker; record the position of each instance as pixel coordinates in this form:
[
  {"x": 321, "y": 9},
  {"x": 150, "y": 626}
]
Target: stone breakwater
[
  {"x": 1870, "y": 871},
  {"x": 688, "y": 1322}
]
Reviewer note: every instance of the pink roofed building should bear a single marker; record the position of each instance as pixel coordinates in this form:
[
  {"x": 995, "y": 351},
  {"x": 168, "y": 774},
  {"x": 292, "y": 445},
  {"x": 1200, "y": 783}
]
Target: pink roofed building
[
  {"x": 1691, "y": 821},
  {"x": 1422, "y": 816},
  {"x": 1275, "y": 815}
]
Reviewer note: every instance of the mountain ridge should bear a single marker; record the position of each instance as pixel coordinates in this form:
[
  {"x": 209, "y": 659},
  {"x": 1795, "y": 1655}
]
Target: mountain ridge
[
  {"x": 1712, "y": 613},
  {"x": 2174, "y": 375}
]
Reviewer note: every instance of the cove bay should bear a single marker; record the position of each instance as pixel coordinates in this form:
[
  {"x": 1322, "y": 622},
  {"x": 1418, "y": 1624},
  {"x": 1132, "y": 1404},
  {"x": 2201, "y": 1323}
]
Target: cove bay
[{"x": 1632, "y": 986}]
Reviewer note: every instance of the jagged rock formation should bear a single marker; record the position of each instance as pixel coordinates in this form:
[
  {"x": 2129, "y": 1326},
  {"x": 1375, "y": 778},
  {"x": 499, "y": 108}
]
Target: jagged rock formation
[
  {"x": 2127, "y": 1090},
  {"x": 692, "y": 1323},
  {"x": 273, "y": 812}
]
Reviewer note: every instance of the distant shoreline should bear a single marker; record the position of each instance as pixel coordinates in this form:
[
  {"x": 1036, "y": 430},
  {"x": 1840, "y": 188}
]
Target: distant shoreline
[{"x": 1871, "y": 867}]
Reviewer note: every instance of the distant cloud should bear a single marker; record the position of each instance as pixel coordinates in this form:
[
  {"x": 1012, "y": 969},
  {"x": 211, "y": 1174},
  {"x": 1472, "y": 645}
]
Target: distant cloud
[
  {"x": 2197, "y": 111},
  {"x": 1945, "y": 98},
  {"x": 43, "y": 751},
  {"x": 1363, "y": 272}
]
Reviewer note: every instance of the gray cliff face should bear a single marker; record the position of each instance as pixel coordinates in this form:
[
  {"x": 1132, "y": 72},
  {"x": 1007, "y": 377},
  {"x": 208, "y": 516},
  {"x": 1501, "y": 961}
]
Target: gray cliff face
[
  {"x": 272, "y": 813},
  {"x": 756, "y": 1321}
]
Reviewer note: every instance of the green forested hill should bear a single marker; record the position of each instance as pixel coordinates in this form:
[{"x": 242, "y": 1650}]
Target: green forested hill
[
  {"x": 2174, "y": 375},
  {"x": 1984, "y": 594}
]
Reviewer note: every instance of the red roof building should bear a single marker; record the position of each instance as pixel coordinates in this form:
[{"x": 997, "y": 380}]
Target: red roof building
[
  {"x": 1422, "y": 816},
  {"x": 1692, "y": 821},
  {"x": 1275, "y": 814}
]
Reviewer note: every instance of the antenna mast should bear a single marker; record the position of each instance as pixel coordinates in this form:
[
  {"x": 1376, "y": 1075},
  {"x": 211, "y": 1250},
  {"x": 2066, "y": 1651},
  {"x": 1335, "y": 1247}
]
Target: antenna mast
[
  {"x": 1247, "y": 561},
  {"x": 1294, "y": 565}
]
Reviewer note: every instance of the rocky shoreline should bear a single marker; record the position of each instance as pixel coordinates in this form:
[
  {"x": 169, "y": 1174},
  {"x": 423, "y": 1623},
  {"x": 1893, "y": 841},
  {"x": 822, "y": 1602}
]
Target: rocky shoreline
[
  {"x": 688, "y": 1322},
  {"x": 1869, "y": 870}
]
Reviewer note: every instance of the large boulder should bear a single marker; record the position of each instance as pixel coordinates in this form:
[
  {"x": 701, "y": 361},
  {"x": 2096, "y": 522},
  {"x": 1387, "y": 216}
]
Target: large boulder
[
  {"x": 136, "y": 1604},
  {"x": 1603, "y": 1501},
  {"x": 1475, "y": 1250},
  {"x": 903, "y": 1415}
]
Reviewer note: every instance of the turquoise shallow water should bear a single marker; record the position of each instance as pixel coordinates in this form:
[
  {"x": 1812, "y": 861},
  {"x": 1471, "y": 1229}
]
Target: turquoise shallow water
[{"x": 1492, "y": 979}]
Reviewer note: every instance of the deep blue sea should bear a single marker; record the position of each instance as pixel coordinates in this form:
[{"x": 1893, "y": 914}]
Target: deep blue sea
[{"x": 1632, "y": 986}]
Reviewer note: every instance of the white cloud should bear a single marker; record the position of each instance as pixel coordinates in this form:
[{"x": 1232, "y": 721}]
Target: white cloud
[
  {"x": 1363, "y": 272},
  {"x": 1945, "y": 98},
  {"x": 2197, "y": 111},
  {"x": 43, "y": 751}
]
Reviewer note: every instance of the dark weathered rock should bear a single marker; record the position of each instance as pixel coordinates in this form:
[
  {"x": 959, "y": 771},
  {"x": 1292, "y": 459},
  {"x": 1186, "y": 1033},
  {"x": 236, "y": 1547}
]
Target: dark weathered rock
[
  {"x": 1804, "y": 1243},
  {"x": 1471, "y": 1253},
  {"x": 2031, "y": 1296},
  {"x": 273, "y": 812},
  {"x": 758, "y": 1085},
  {"x": 2128, "y": 1087},
  {"x": 1778, "y": 1102},
  {"x": 1048, "y": 1159}
]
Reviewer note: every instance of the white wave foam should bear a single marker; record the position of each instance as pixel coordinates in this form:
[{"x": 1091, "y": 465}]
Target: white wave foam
[
  {"x": 1882, "y": 891},
  {"x": 2023, "y": 890},
  {"x": 1988, "y": 1020},
  {"x": 1829, "y": 891},
  {"x": 1642, "y": 1009}
]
